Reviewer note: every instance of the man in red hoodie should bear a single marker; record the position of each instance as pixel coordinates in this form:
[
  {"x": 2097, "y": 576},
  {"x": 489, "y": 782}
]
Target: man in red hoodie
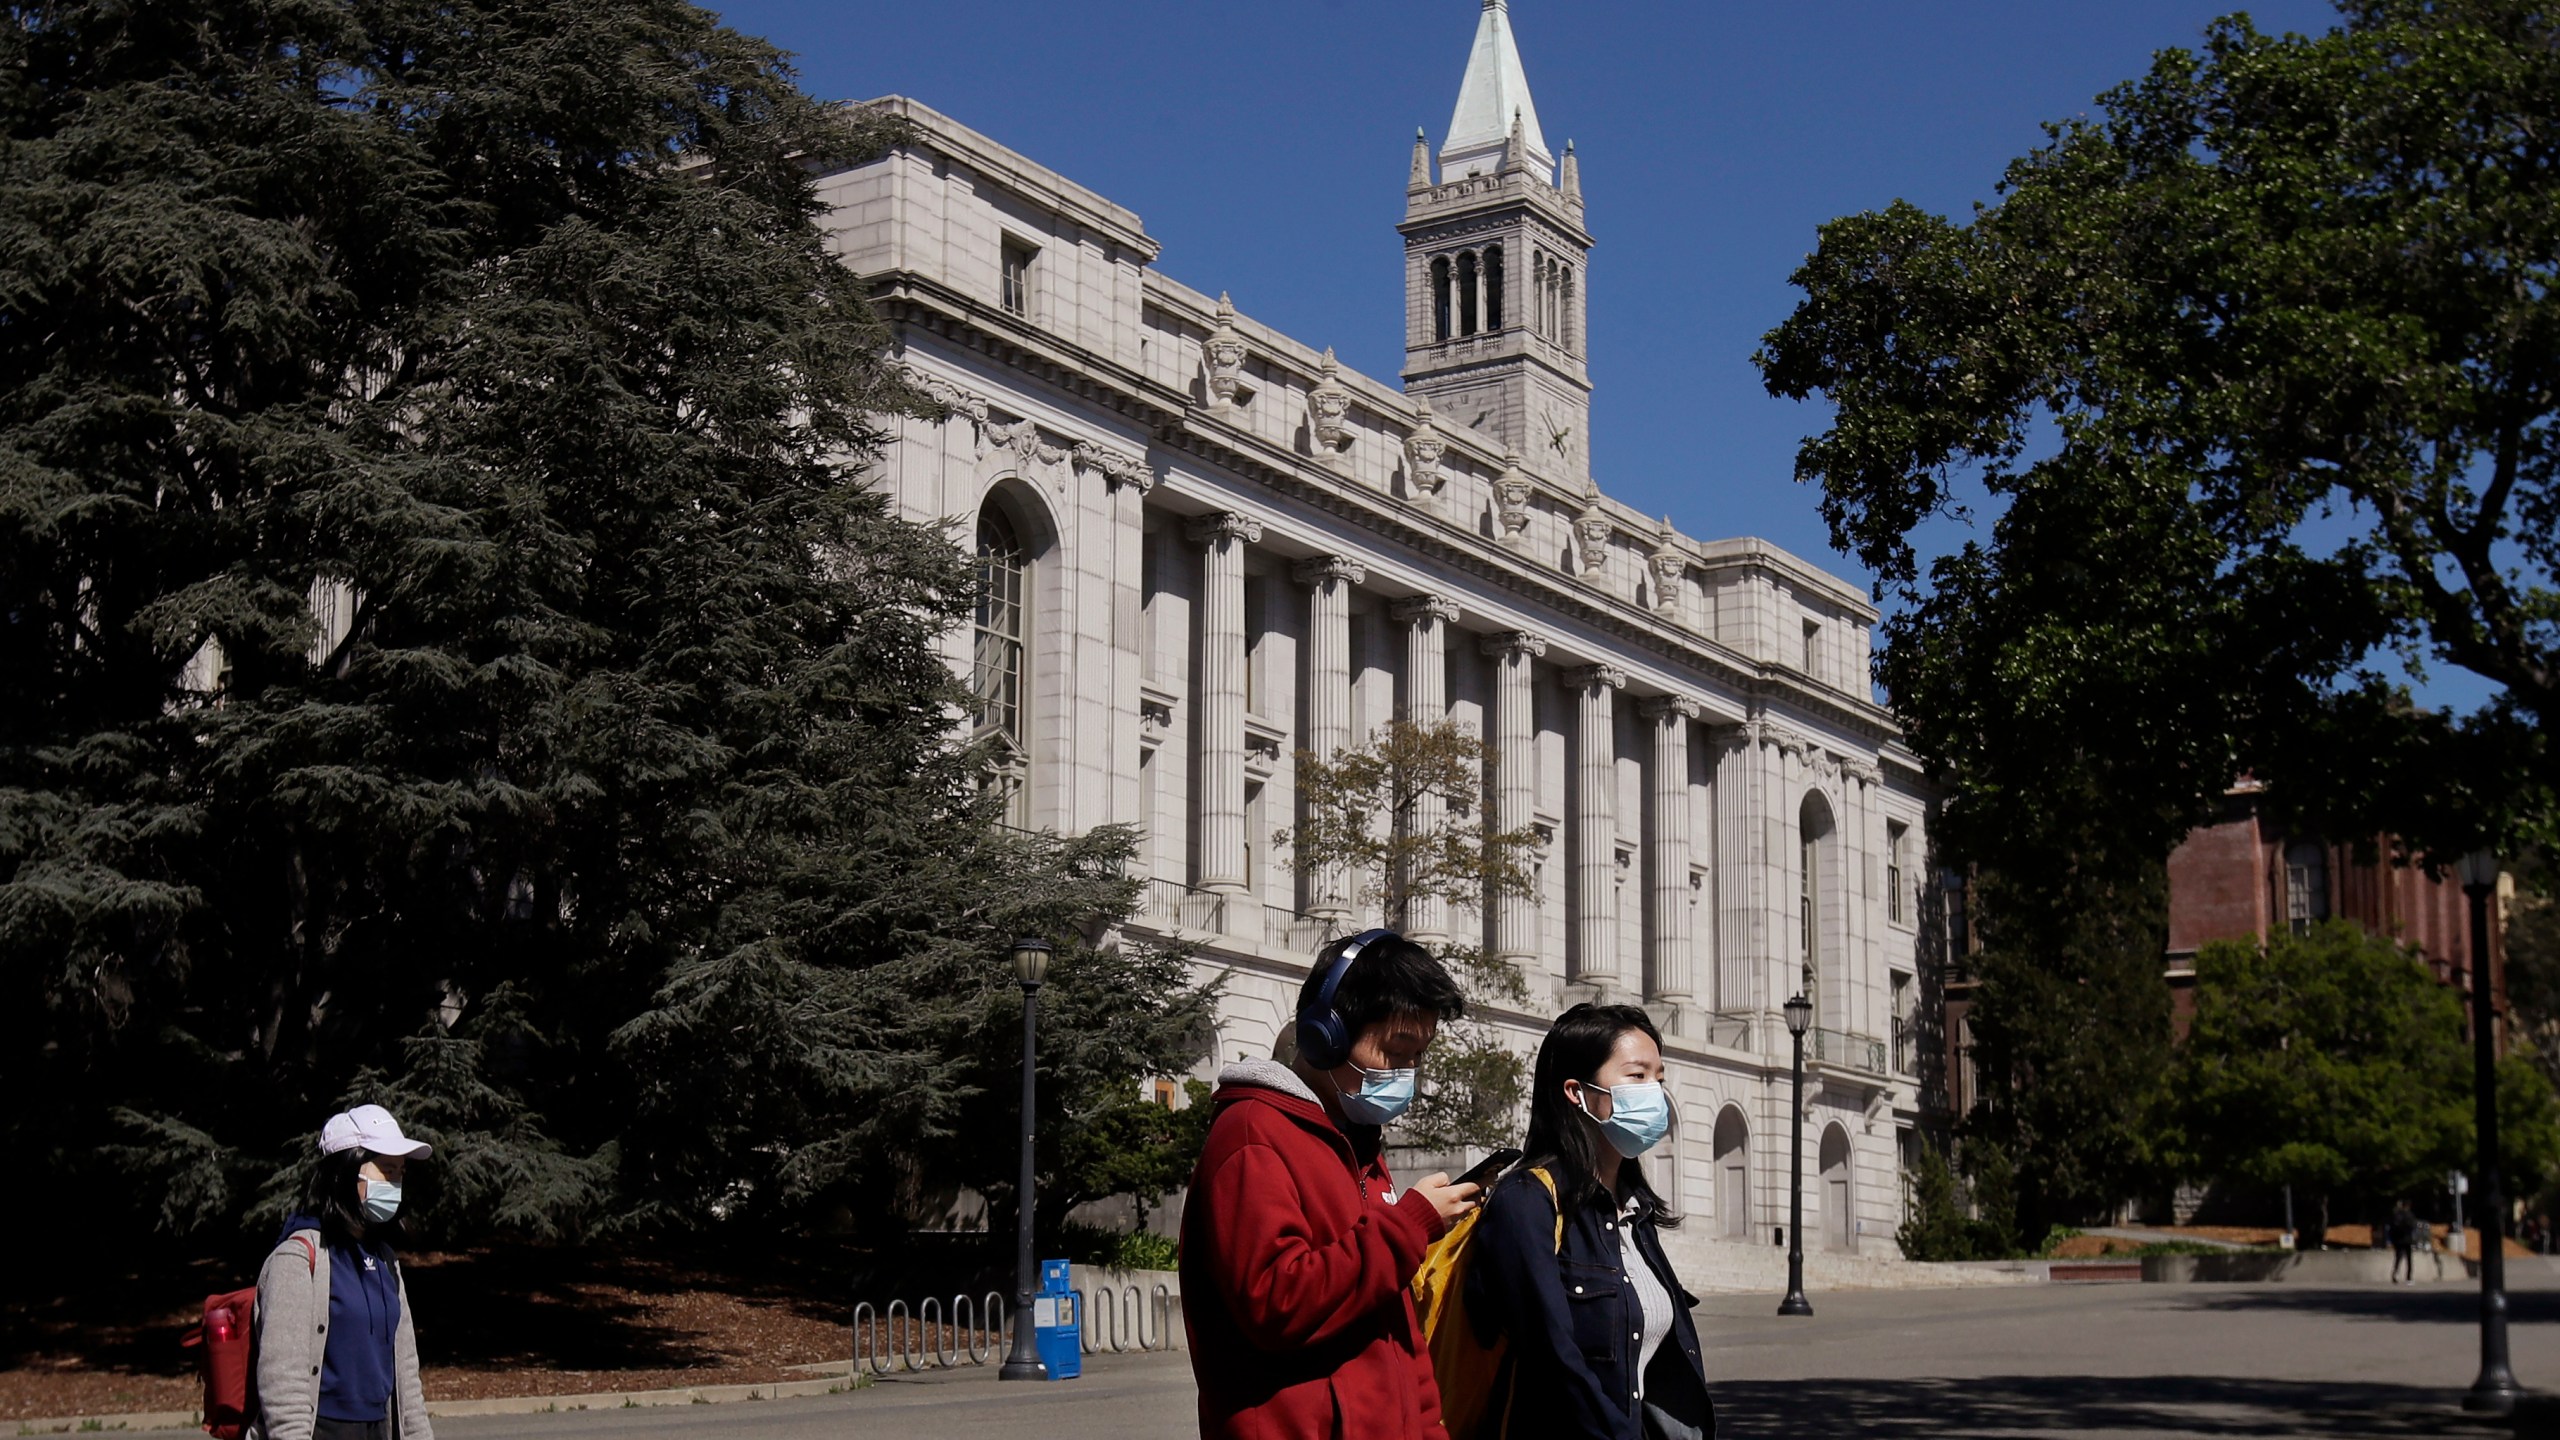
[{"x": 1296, "y": 1246}]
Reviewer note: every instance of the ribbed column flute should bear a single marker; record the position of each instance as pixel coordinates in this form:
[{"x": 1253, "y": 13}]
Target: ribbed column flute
[
  {"x": 1515, "y": 788},
  {"x": 1673, "y": 975},
  {"x": 1329, "y": 579},
  {"x": 1219, "y": 692},
  {"x": 1595, "y": 823},
  {"x": 1740, "y": 861},
  {"x": 1426, "y": 619}
]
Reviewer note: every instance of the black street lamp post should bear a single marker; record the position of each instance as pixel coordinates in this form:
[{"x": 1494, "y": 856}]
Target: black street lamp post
[
  {"x": 2495, "y": 1391},
  {"x": 1799, "y": 1018},
  {"x": 1030, "y": 966}
]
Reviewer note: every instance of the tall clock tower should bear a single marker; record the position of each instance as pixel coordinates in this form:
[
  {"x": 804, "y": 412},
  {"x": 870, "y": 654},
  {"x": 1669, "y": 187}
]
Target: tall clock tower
[{"x": 1494, "y": 258}]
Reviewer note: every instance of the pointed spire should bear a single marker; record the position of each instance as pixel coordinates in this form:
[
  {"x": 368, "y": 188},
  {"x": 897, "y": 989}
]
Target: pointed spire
[
  {"x": 1495, "y": 90},
  {"x": 1570, "y": 182},
  {"x": 1421, "y": 179}
]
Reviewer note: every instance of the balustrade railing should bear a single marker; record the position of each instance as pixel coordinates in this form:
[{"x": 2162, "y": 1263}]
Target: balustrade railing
[
  {"x": 1730, "y": 1029},
  {"x": 1842, "y": 1048}
]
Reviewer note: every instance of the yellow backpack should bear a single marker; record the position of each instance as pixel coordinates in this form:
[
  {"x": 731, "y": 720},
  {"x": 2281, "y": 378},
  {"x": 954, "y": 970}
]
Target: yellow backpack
[{"x": 1464, "y": 1365}]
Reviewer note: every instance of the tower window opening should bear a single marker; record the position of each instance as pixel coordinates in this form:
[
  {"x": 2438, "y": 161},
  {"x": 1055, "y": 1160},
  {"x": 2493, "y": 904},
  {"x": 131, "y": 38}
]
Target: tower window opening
[
  {"x": 1468, "y": 279},
  {"x": 1493, "y": 288},
  {"x": 1567, "y": 333},
  {"x": 1440, "y": 300}
]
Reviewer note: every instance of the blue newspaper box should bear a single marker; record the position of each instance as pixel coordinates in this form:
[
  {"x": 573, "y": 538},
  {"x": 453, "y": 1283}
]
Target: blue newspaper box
[{"x": 1055, "y": 1323}]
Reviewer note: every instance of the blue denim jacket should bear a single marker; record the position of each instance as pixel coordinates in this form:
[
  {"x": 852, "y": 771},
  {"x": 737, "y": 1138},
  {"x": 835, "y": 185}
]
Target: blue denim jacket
[{"x": 1573, "y": 1323}]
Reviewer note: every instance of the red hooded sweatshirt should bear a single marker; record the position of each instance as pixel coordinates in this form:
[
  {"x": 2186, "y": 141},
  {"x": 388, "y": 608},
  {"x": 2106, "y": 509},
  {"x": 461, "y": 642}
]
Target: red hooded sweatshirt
[{"x": 1295, "y": 1258}]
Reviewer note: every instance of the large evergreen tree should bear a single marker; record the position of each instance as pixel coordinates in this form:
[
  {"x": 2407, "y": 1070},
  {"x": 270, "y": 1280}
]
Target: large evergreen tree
[{"x": 454, "y": 658}]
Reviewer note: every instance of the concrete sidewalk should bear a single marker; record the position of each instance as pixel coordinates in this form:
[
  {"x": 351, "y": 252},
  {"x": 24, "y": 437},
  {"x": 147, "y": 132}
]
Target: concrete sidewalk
[{"x": 2121, "y": 1362}]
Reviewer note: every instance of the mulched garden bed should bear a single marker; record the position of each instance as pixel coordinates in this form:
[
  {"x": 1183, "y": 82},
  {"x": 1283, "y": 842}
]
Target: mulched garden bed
[{"x": 490, "y": 1323}]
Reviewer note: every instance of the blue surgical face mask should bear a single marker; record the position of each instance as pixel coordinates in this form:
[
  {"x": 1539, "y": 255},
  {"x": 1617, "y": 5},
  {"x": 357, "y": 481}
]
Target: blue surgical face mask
[
  {"x": 1382, "y": 1096},
  {"x": 1639, "y": 1116},
  {"x": 381, "y": 1200}
]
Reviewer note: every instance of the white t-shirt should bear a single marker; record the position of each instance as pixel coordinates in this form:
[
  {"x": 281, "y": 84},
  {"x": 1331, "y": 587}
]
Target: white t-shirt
[{"x": 1651, "y": 1297}]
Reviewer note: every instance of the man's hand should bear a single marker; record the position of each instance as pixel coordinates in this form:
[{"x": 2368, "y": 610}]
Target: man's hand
[{"x": 1450, "y": 1200}]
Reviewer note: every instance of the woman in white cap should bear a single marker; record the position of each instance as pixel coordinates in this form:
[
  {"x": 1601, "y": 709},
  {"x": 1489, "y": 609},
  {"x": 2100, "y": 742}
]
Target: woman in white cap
[{"x": 337, "y": 1354}]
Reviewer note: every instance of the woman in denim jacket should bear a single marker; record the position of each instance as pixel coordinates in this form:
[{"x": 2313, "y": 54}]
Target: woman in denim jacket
[{"x": 1600, "y": 1344}]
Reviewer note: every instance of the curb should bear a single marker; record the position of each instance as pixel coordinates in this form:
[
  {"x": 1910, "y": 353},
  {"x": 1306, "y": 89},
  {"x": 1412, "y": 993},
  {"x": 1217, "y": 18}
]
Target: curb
[{"x": 832, "y": 1384}]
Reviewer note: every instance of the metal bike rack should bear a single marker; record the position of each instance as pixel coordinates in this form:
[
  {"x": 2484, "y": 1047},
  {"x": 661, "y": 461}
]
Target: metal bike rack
[
  {"x": 1124, "y": 1310},
  {"x": 895, "y": 1338}
]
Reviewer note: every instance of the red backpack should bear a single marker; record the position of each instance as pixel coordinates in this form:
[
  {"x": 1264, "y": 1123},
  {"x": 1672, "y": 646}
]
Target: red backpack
[{"x": 226, "y": 1337}]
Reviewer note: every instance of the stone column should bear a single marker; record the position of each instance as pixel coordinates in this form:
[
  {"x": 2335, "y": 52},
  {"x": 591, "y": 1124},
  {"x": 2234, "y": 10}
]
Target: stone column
[
  {"x": 1673, "y": 973},
  {"x": 1218, "y": 693},
  {"x": 1425, "y": 619},
  {"x": 1515, "y": 786},
  {"x": 1742, "y": 873},
  {"x": 1328, "y": 579},
  {"x": 1595, "y": 824}
]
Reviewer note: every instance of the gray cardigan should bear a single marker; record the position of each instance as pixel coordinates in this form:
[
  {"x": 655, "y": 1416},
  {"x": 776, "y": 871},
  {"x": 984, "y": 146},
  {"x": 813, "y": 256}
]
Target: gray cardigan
[{"x": 293, "y": 1333}]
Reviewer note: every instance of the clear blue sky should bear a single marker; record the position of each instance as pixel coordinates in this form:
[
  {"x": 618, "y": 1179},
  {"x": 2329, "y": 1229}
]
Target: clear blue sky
[{"x": 1266, "y": 145}]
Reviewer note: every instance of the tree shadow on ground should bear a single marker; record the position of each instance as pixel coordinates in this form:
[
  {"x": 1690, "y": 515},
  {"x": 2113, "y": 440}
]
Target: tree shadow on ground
[
  {"x": 2085, "y": 1407},
  {"x": 2416, "y": 1304}
]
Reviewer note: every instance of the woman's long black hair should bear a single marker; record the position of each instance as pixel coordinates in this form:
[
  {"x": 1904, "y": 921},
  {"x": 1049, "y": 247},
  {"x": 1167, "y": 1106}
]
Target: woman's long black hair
[
  {"x": 1561, "y": 1138},
  {"x": 330, "y": 1197}
]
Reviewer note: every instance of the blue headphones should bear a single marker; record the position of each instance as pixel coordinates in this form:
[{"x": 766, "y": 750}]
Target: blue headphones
[{"x": 1322, "y": 1036}]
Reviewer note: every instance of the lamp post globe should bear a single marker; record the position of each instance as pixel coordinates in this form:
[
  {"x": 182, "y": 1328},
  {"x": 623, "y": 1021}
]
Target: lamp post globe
[
  {"x": 2494, "y": 1391},
  {"x": 1799, "y": 1011},
  {"x": 1030, "y": 967}
]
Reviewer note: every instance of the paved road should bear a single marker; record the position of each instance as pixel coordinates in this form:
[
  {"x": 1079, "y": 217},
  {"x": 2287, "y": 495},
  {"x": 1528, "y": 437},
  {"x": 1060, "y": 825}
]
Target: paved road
[{"x": 2090, "y": 1362}]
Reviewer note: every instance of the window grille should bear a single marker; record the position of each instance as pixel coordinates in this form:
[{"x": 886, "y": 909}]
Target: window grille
[{"x": 997, "y": 673}]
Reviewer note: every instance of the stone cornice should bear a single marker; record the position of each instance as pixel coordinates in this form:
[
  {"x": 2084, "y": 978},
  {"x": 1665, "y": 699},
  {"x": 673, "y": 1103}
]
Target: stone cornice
[{"x": 1178, "y": 423}]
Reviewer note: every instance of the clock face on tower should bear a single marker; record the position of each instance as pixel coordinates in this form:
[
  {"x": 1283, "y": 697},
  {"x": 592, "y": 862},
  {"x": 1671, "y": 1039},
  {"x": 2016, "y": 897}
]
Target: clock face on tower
[{"x": 1557, "y": 434}]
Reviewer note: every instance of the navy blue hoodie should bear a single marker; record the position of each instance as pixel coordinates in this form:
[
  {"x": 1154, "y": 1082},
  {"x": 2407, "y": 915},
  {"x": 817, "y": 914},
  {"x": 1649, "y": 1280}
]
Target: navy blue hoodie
[{"x": 357, "y": 1368}]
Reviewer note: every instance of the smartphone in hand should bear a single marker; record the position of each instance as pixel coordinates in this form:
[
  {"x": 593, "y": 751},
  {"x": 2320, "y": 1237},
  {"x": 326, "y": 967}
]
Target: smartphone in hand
[{"x": 1490, "y": 1168}]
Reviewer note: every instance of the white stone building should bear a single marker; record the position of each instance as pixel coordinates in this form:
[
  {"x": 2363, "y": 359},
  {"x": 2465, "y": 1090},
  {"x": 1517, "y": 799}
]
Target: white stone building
[{"x": 1215, "y": 547}]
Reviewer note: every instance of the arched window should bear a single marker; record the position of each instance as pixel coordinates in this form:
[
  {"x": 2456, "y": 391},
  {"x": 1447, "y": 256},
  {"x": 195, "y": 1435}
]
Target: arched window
[
  {"x": 1813, "y": 828},
  {"x": 1565, "y": 333},
  {"x": 1467, "y": 292},
  {"x": 996, "y": 671},
  {"x": 1493, "y": 287},
  {"x": 1440, "y": 300},
  {"x": 996, "y": 677}
]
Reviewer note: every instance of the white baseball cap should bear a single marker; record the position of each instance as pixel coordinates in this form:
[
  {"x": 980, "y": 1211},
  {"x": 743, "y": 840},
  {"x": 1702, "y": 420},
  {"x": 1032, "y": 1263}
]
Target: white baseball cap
[{"x": 370, "y": 1128}]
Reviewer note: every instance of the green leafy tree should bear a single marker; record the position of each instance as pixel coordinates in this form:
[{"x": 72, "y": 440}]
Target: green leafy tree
[
  {"x": 1399, "y": 822},
  {"x": 2250, "y": 374},
  {"x": 2255, "y": 369},
  {"x": 1946, "y": 1220},
  {"x": 455, "y": 658},
  {"x": 2331, "y": 1061},
  {"x": 2071, "y": 1034}
]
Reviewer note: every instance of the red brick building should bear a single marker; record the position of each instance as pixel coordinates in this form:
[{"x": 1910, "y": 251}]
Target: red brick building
[{"x": 2242, "y": 878}]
